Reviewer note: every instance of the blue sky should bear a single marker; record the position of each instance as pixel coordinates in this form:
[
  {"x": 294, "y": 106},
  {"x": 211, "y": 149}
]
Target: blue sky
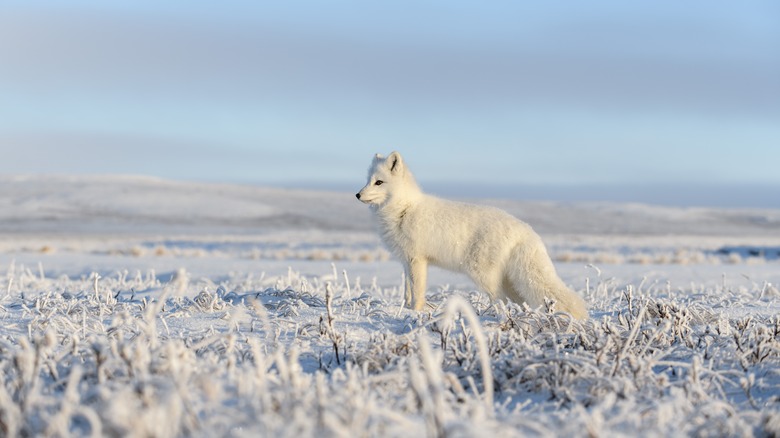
[{"x": 493, "y": 95}]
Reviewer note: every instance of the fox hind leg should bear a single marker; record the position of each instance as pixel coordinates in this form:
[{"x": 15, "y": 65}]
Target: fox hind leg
[{"x": 408, "y": 286}]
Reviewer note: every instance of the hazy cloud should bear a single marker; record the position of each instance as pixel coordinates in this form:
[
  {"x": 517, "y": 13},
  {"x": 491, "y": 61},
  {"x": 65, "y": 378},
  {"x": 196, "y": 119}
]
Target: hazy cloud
[{"x": 87, "y": 50}]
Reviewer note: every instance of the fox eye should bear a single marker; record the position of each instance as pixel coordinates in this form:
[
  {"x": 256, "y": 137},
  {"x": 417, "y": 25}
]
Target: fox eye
[{"x": 379, "y": 183}]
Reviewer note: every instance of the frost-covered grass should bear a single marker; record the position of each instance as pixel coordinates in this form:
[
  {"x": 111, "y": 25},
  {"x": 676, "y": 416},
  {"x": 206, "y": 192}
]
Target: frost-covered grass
[{"x": 133, "y": 353}]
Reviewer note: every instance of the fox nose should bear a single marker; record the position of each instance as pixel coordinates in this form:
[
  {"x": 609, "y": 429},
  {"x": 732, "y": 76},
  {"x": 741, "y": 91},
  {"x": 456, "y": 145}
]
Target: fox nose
[{"x": 357, "y": 195}]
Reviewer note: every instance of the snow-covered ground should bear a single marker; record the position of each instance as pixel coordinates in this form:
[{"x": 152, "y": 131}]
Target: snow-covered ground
[{"x": 147, "y": 307}]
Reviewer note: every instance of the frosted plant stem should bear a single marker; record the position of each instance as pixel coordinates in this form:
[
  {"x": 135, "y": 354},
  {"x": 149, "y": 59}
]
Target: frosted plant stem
[
  {"x": 458, "y": 304},
  {"x": 331, "y": 330},
  {"x": 631, "y": 337},
  {"x": 12, "y": 418},
  {"x": 420, "y": 389},
  {"x": 435, "y": 381},
  {"x": 346, "y": 283},
  {"x": 70, "y": 401},
  {"x": 328, "y": 302},
  {"x": 97, "y": 294},
  {"x": 11, "y": 270}
]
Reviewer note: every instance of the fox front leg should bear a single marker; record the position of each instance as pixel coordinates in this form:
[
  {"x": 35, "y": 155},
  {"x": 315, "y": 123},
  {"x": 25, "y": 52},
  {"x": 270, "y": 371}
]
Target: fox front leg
[
  {"x": 407, "y": 286},
  {"x": 416, "y": 282}
]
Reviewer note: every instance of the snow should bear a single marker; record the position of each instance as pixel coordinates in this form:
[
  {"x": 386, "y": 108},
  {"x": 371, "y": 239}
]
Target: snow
[{"x": 146, "y": 307}]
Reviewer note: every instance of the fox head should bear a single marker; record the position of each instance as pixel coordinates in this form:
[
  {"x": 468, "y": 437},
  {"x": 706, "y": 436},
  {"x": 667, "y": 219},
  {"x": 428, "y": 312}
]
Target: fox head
[{"x": 387, "y": 178}]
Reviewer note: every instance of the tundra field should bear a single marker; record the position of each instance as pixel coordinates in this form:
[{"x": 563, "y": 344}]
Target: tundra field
[{"x": 143, "y": 307}]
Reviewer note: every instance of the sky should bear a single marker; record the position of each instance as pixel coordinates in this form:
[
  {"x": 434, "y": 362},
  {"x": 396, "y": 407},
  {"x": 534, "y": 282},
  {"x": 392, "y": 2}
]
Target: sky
[{"x": 663, "y": 101}]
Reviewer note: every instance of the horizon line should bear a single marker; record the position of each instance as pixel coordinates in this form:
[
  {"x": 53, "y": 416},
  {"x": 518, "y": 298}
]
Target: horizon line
[{"x": 674, "y": 194}]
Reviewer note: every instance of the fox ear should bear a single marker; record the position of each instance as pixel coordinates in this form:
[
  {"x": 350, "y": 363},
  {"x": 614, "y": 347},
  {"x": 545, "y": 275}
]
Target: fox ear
[{"x": 395, "y": 162}]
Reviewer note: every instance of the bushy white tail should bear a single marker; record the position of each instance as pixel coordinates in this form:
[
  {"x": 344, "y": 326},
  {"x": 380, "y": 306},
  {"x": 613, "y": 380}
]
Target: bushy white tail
[{"x": 531, "y": 278}]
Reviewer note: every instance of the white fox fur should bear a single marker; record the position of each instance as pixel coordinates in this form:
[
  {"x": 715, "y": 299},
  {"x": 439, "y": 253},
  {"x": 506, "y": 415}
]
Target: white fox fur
[{"x": 502, "y": 254}]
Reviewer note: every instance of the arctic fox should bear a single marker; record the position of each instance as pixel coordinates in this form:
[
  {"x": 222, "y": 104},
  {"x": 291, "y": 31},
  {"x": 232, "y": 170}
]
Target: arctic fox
[{"x": 502, "y": 254}]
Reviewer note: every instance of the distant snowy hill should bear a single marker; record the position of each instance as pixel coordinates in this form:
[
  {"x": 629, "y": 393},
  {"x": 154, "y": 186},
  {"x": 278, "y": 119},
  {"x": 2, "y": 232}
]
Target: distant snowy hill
[
  {"x": 142, "y": 205},
  {"x": 132, "y": 204}
]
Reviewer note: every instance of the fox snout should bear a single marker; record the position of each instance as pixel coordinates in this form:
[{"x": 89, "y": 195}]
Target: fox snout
[{"x": 366, "y": 198}]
